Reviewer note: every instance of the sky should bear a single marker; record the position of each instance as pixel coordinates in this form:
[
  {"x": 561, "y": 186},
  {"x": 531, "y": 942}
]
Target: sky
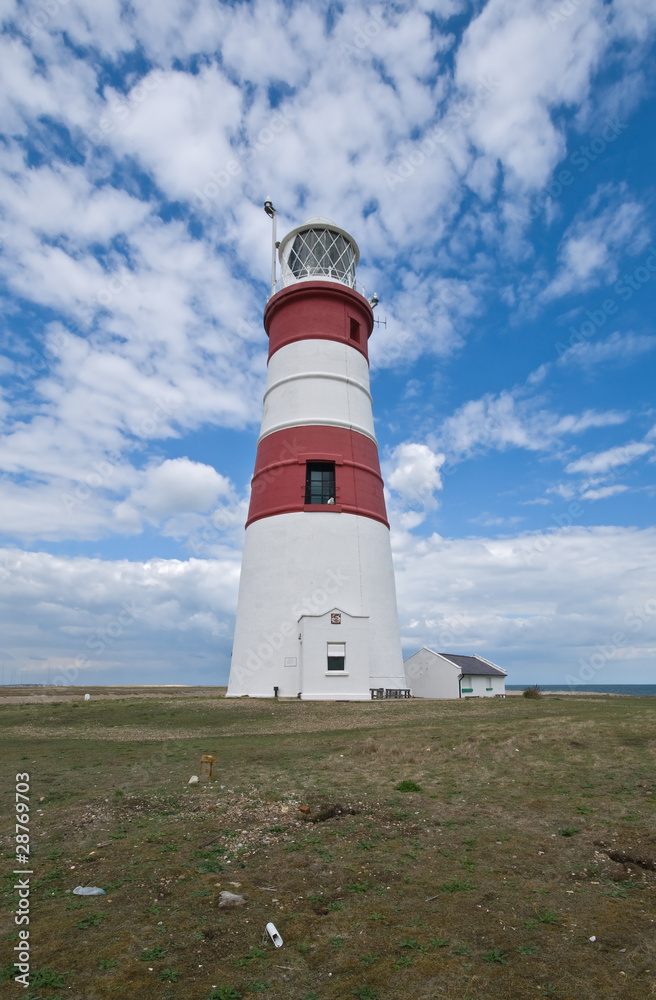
[{"x": 494, "y": 162}]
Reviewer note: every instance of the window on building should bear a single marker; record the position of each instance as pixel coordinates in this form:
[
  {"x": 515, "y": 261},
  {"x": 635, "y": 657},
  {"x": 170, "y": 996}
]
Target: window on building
[
  {"x": 355, "y": 330},
  {"x": 336, "y": 655},
  {"x": 320, "y": 482}
]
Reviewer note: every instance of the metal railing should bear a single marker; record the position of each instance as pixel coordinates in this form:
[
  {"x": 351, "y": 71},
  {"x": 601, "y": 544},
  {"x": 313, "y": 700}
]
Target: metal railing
[{"x": 290, "y": 279}]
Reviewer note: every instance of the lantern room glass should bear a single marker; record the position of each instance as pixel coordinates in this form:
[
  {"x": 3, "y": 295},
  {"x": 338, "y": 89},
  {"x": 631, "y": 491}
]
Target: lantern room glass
[
  {"x": 322, "y": 253},
  {"x": 318, "y": 250}
]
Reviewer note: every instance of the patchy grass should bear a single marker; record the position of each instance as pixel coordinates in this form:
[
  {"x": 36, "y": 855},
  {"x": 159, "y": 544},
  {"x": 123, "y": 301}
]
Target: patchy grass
[
  {"x": 408, "y": 786},
  {"x": 465, "y": 891}
]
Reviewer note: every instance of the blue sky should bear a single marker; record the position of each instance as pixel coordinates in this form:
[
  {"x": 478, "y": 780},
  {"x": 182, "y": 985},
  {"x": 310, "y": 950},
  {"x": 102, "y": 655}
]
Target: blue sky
[{"x": 495, "y": 164}]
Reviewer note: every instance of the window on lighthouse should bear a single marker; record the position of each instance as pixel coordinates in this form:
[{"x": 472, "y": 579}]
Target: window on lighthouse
[{"x": 320, "y": 482}]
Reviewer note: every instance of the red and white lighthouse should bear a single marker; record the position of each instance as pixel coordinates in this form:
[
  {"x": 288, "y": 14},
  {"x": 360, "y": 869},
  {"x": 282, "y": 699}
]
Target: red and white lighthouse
[{"x": 317, "y": 612}]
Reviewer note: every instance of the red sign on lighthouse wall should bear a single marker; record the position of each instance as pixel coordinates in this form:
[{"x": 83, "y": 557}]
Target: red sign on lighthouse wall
[{"x": 317, "y": 605}]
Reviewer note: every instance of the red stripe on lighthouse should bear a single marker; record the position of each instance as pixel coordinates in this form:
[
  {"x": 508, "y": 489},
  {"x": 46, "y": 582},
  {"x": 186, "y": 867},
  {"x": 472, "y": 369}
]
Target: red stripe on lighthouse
[
  {"x": 278, "y": 485},
  {"x": 318, "y": 310}
]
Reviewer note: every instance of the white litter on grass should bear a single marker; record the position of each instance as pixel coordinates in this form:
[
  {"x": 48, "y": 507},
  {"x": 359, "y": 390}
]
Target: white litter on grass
[
  {"x": 593, "y": 938},
  {"x": 87, "y": 697},
  {"x": 88, "y": 890},
  {"x": 193, "y": 780},
  {"x": 274, "y": 935}
]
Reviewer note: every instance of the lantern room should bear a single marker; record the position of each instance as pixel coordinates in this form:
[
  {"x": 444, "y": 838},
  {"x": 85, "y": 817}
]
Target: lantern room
[{"x": 318, "y": 250}]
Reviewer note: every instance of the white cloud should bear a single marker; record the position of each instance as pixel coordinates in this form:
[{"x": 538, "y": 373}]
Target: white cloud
[
  {"x": 537, "y": 69},
  {"x": 602, "y": 492},
  {"x": 96, "y": 619},
  {"x": 176, "y": 486},
  {"x": 617, "y": 347},
  {"x": 612, "y": 223},
  {"x": 504, "y": 421},
  {"x": 487, "y": 520},
  {"x": 412, "y": 472},
  {"x": 182, "y": 130},
  {"x": 613, "y": 458}
]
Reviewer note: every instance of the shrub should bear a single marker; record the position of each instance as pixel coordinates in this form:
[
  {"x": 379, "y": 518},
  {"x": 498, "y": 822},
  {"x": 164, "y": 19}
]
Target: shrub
[
  {"x": 569, "y": 831},
  {"x": 46, "y": 977},
  {"x": 209, "y": 867},
  {"x": 407, "y": 786},
  {"x": 359, "y": 886},
  {"x": 169, "y": 975},
  {"x": 151, "y": 953},
  {"x": 457, "y": 885},
  {"x": 532, "y": 692},
  {"x": 495, "y": 955}
]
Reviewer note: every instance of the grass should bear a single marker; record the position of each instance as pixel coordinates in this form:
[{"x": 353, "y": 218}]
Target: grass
[
  {"x": 487, "y": 886},
  {"x": 407, "y": 786}
]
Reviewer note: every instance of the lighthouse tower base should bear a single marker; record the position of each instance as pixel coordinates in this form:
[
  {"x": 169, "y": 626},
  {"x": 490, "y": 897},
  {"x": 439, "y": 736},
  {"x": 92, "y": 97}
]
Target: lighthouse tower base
[{"x": 317, "y": 609}]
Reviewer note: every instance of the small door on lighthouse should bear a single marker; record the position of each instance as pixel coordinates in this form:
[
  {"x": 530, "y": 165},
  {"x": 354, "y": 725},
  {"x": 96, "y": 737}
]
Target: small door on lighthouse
[{"x": 335, "y": 656}]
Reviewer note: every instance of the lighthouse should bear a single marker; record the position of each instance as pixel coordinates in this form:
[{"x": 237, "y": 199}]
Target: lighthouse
[{"x": 316, "y": 614}]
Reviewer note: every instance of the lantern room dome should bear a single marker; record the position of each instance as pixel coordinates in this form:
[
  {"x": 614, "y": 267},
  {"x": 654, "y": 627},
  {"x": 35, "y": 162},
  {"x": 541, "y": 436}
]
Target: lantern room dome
[{"x": 318, "y": 250}]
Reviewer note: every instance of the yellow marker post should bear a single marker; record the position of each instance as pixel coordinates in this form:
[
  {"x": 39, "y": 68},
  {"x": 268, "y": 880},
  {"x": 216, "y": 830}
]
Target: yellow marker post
[{"x": 206, "y": 766}]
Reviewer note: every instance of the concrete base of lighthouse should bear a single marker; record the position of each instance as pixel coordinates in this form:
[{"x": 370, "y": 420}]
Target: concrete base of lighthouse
[{"x": 310, "y": 581}]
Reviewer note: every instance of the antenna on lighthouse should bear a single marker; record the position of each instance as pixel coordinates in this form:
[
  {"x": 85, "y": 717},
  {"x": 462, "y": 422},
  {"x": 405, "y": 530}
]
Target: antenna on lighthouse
[{"x": 271, "y": 212}]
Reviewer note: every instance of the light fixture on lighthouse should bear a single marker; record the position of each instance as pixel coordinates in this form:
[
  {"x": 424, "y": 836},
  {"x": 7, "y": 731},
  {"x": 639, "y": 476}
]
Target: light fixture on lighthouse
[{"x": 318, "y": 250}]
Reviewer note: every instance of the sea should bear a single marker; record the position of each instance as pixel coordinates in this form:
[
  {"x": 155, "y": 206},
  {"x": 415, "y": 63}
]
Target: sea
[{"x": 637, "y": 690}]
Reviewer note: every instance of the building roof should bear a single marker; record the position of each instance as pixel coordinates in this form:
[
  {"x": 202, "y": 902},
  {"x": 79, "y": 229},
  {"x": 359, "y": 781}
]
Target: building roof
[{"x": 474, "y": 665}]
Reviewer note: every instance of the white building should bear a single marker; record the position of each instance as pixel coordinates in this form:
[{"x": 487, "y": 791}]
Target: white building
[
  {"x": 316, "y": 614},
  {"x": 452, "y": 675}
]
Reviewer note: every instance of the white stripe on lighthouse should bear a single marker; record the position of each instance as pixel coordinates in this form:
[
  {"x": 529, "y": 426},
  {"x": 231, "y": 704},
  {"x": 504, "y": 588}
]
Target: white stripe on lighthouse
[
  {"x": 317, "y": 382},
  {"x": 301, "y": 563},
  {"x": 316, "y": 374}
]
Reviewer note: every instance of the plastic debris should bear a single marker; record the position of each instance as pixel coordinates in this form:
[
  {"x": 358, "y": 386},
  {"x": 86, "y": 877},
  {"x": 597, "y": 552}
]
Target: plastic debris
[
  {"x": 87, "y": 697},
  {"x": 230, "y": 899},
  {"x": 88, "y": 890},
  {"x": 274, "y": 935},
  {"x": 593, "y": 938},
  {"x": 193, "y": 780}
]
